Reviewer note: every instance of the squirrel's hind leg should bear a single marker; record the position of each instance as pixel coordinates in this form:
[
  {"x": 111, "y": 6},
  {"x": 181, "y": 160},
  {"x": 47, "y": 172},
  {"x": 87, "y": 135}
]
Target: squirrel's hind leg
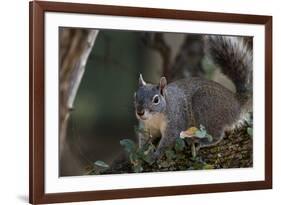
[{"x": 215, "y": 109}]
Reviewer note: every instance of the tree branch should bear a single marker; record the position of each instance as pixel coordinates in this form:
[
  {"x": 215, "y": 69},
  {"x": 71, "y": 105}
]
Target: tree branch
[
  {"x": 234, "y": 151},
  {"x": 188, "y": 61},
  {"x": 157, "y": 42},
  {"x": 75, "y": 47}
]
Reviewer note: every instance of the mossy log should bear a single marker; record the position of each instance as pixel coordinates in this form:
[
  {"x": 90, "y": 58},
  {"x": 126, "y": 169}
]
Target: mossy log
[{"x": 234, "y": 151}]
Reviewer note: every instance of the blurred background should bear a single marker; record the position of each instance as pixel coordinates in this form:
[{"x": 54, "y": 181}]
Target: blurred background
[{"x": 102, "y": 112}]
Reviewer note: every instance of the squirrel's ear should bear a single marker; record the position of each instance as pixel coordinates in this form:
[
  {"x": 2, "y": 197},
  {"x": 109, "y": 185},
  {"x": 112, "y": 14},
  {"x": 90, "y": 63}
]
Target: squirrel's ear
[
  {"x": 141, "y": 81},
  {"x": 162, "y": 84}
]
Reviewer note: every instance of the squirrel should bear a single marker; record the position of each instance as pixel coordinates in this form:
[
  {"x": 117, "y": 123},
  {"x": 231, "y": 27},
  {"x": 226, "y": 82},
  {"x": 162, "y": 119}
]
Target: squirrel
[{"x": 166, "y": 110}]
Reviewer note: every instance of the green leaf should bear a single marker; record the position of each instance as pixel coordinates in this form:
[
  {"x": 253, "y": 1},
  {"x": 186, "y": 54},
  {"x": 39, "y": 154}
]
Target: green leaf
[
  {"x": 164, "y": 164},
  {"x": 250, "y": 131},
  {"x": 133, "y": 157},
  {"x": 138, "y": 168},
  {"x": 181, "y": 156},
  {"x": 101, "y": 164},
  {"x": 197, "y": 165},
  {"x": 141, "y": 129},
  {"x": 148, "y": 159},
  {"x": 150, "y": 148},
  {"x": 202, "y": 128},
  {"x": 200, "y": 133},
  {"x": 209, "y": 137},
  {"x": 180, "y": 145},
  {"x": 129, "y": 145},
  {"x": 170, "y": 154},
  {"x": 208, "y": 166},
  {"x": 249, "y": 118}
]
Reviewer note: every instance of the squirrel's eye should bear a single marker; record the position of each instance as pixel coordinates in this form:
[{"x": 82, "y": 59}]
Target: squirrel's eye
[{"x": 156, "y": 99}]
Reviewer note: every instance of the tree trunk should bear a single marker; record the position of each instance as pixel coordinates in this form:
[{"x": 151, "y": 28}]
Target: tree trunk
[{"x": 75, "y": 47}]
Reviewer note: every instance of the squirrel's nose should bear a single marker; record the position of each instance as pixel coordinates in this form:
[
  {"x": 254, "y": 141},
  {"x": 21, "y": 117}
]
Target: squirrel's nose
[{"x": 140, "y": 112}]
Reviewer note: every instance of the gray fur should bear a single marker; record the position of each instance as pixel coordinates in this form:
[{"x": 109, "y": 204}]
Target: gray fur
[
  {"x": 235, "y": 58},
  {"x": 194, "y": 101}
]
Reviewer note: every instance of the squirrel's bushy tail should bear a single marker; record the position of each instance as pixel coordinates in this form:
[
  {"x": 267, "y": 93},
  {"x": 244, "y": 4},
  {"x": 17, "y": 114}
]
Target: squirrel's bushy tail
[{"x": 234, "y": 55}]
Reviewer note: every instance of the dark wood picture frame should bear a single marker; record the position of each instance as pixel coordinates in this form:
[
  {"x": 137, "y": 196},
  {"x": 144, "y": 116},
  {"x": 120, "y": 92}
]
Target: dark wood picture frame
[{"x": 37, "y": 94}]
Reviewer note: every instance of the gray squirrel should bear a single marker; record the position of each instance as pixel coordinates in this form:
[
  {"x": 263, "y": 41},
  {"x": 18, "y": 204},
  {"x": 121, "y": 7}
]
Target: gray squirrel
[{"x": 166, "y": 110}]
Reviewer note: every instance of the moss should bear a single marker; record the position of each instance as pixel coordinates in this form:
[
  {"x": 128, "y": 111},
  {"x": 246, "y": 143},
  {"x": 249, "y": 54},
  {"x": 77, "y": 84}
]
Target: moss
[{"x": 234, "y": 151}]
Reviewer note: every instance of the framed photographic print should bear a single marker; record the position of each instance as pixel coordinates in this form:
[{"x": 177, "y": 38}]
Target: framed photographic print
[{"x": 139, "y": 102}]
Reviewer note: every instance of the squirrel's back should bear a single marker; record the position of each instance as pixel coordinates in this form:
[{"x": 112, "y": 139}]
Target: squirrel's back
[
  {"x": 205, "y": 102},
  {"x": 196, "y": 101},
  {"x": 190, "y": 86}
]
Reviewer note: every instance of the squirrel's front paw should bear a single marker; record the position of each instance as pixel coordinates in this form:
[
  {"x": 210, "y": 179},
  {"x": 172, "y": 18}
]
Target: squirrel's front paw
[{"x": 156, "y": 155}]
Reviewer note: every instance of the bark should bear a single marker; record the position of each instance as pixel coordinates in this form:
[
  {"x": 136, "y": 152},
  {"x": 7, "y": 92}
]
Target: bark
[
  {"x": 188, "y": 61},
  {"x": 75, "y": 47},
  {"x": 157, "y": 42},
  {"x": 234, "y": 151}
]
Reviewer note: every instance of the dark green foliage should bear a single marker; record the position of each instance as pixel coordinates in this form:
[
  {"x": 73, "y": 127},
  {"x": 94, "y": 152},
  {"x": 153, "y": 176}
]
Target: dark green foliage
[
  {"x": 249, "y": 121},
  {"x": 234, "y": 151},
  {"x": 129, "y": 145},
  {"x": 176, "y": 158},
  {"x": 101, "y": 164},
  {"x": 97, "y": 168},
  {"x": 180, "y": 145},
  {"x": 138, "y": 156}
]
